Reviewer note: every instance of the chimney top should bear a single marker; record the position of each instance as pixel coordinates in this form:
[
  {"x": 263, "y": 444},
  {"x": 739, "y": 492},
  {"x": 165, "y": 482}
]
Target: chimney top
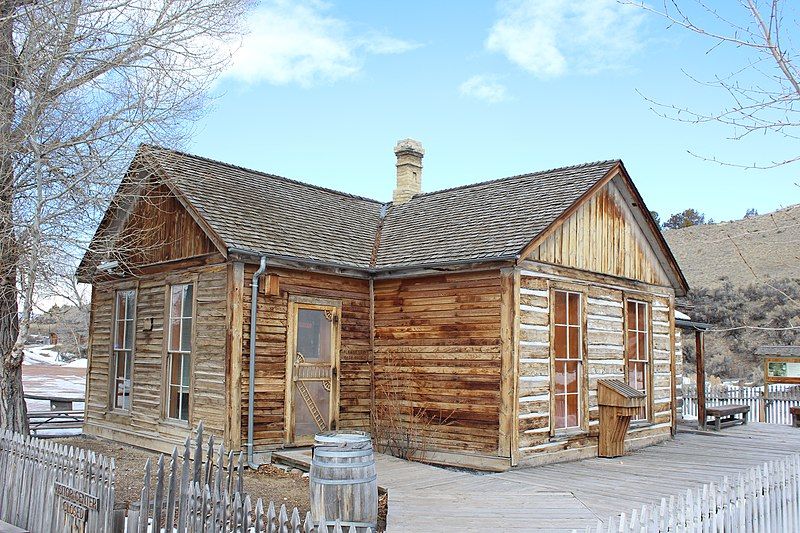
[
  {"x": 409, "y": 145},
  {"x": 409, "y": 170}
]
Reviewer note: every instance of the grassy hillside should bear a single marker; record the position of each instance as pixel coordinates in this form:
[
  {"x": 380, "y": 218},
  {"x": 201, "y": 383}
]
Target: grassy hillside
[
  {"x": 745, "y": 279},
  {"x": 742, "y": 251}
]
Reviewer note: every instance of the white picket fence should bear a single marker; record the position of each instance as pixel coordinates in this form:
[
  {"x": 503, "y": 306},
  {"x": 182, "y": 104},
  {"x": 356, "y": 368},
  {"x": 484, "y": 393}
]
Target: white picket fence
[
  {"x": 202, "y": 491},
  {"x": 772, "y": 409},
  {"x": 763, "y": 499},
  {"x": 40, "y": 480}
]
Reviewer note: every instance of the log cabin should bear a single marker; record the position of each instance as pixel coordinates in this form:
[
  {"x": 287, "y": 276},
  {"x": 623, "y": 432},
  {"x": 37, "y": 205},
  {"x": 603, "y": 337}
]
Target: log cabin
[{"x": 469, "y": 325}]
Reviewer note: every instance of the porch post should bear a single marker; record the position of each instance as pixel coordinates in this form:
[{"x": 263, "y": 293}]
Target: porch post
[{"x": 699, "y": 343}]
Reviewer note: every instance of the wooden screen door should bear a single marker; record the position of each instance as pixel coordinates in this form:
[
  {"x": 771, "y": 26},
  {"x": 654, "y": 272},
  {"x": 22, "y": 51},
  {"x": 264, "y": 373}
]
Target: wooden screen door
[{"x": 312, "y": 391}]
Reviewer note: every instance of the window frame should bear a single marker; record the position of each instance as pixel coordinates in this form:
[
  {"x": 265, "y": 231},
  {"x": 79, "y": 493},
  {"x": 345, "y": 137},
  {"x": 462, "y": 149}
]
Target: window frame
[
  {"x": 583, "y": 367},
  {"x": 647, "y": 301},
  {"x": 168, "y": 353},
  {"x": 113, "y": 351}
]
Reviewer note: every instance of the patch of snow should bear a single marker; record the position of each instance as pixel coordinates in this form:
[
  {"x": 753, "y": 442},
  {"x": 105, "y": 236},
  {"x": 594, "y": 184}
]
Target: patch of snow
[
  {"x": 45, "y": 355},
  {"x": 78, "y": 363}
]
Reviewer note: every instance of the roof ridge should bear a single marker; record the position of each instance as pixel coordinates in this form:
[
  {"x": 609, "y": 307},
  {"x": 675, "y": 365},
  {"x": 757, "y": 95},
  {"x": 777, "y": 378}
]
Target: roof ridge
[
  {"x": 525, "y": 175},
  {"x": 261, "y": 173}
]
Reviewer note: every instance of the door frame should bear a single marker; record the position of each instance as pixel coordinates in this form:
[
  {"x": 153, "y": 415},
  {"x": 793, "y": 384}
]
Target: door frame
[{"x": 296, "y": 303}]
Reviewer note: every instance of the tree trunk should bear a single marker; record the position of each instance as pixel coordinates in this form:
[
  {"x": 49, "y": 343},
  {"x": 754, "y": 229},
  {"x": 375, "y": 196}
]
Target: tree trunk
[{"x": 13, "y": 414}]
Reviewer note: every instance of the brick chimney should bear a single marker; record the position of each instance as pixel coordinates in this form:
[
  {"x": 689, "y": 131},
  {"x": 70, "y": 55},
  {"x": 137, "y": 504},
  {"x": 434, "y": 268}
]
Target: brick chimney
[{"x": 409, "y": 170}]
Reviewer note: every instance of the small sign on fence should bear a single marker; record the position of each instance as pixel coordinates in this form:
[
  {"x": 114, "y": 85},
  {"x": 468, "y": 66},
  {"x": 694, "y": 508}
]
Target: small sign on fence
[
  {"x": 78, "y": 497},
  {"x": 76, "y": 505}
]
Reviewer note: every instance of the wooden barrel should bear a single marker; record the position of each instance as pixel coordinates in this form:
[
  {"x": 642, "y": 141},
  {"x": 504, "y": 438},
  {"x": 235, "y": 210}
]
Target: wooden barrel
[{"x": 342, "y": 482}]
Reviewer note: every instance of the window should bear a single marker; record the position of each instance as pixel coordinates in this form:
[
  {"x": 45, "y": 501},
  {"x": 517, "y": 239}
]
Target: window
[
  {"x": 179, "y": 351},
  {"x": 567, "y": 358},
  {"x": 122, "y": 360},
  {"x": 637, "y": 348}
]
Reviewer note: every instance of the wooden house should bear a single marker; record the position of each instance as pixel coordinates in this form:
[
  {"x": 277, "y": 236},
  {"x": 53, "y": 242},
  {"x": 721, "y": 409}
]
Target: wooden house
[{"x": 473, "y": 322}]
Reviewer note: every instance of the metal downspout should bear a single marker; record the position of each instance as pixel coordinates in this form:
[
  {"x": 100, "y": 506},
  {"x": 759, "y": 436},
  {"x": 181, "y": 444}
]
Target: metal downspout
[{"x": 252, "y": 374}]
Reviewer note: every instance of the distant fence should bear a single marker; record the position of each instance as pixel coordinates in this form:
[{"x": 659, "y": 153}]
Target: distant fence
[
  {"x": 773, "y": 409},
  {"x": 203, "y": 491},
  {"x": 764, "y": 499},
  {"x": 52, "y": 487},
  {"x": 61, "y": 414}
]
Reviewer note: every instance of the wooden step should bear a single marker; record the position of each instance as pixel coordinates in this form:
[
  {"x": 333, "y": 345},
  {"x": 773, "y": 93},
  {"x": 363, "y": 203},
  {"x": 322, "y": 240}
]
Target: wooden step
[{"x": 299, "y": 458}]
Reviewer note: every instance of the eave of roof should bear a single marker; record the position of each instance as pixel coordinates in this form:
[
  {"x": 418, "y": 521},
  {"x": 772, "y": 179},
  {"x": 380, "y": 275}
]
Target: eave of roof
[{"x": 227, "y": 234}]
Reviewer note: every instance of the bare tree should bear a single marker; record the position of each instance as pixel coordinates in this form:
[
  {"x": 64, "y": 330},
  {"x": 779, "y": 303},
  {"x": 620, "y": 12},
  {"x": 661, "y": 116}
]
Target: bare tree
[
  {"x": 82, "y": 83},
  {"x": 764, "y": 90}
]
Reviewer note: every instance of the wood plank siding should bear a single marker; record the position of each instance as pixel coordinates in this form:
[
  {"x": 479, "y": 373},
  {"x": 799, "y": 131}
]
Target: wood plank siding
[
  {"x": 603, "y": 236},
  {"x": 438, "y": 355},
  {"x": 145, "y": 424},
  {"x": 160, "y": 229},
  {"x": 160, "y": 244},
  {"x": 270, "y": 383}
]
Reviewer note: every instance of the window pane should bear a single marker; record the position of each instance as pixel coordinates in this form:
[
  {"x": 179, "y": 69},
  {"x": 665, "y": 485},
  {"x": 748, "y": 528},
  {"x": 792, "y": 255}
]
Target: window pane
[
  {"x": 574, "y": 343},
  {"x": 560, "y": 307},
  {"x": 184, "y": 414},
  {"x": 642, "y": 316},
  {"x": 560, "y": 420},
  {"x": 175, "y": 301},
  {"x": 175, "y": 369},
  {"x": 560, "y": 377},
  {"x": 130, "y": 333},
  {"x": 174, "y": 400},
  {"x": 175, "y": 334},
  {"x": 574, "y": 308},
  {"x": 630, "y": 345},
  {"x": 130, "y": 304},
  {"x": 560, "y": 342},
  {"x": 313, "y": 334},
  {"x": 188, "y": 291},
  {"x": 186, "y": 363},
  {"x": 572, "y": 410},
  {"x": 128, "y": 364},
  {"x": 643, "y": 347},
  {"x": 119, "y": 333},
  {"x": 186, "y": 335},
  {"x": 119, "y": 365},
  {"x": 571, "y": 379},
  {"x": 632, "y": 323}
]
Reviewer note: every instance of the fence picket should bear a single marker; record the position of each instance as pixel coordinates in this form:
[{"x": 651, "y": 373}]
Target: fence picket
[{"x": 765, "y": 498}]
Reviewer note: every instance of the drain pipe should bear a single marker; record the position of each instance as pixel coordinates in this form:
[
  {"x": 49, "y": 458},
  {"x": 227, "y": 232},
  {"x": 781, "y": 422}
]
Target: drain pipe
[{"x": 252, "y": 375}]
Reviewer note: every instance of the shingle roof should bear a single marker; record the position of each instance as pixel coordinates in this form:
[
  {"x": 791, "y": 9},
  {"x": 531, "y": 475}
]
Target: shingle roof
[
  {"x": 486, "y": 220},
  {"x": 269, "y": 214}
]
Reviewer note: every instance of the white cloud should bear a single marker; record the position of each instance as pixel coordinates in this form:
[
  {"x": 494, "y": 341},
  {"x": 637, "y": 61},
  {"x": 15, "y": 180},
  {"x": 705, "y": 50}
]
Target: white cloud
[
  {"x": 484, "y": 88},
  {"x": 550, "y": 38},
  {"x": 298, "y": 42}
]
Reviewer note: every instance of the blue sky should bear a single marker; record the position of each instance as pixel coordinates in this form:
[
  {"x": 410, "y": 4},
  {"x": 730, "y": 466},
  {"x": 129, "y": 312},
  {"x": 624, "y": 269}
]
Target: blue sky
[{"x": 322, "y": 91}]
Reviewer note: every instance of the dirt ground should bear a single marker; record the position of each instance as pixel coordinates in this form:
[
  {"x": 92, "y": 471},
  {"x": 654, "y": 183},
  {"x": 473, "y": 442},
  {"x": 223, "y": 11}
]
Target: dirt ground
[{"x": 268, "y": 483}]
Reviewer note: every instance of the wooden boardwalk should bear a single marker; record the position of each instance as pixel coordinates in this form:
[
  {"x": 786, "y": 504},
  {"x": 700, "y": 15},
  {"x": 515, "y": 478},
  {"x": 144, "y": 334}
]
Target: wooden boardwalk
[{"x": 572, "y": 495}]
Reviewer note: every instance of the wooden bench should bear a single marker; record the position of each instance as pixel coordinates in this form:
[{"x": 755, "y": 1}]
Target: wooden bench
[
  {"x": 795, "y": 411},
  {"x": 727, "y": 415}
]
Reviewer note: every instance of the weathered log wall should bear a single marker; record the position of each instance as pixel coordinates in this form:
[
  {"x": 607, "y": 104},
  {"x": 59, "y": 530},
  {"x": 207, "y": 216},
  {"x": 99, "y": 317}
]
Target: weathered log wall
[
  {"x": 604, "y": 359},
  {"x": 270, "y": 381},
  {"x": 145, "y": 425},
  {"x": 438, "y": 360}
]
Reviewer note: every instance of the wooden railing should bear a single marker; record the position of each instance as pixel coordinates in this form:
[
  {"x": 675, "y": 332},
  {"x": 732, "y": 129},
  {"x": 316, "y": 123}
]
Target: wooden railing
[
  {"x": 764, "y": 499},
  {"x": 62, "y": 414},
  {"x": 772, "y": 408}
]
